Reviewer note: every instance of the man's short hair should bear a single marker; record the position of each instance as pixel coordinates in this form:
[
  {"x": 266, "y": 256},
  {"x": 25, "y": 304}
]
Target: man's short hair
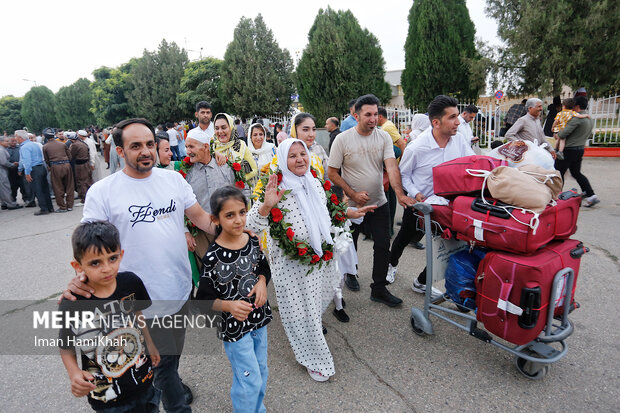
[
  {"x": 582, "y": 102},
  {"x": 334, "y": 120},
  {"x": 20, "y": 133},
  {"x": 471, "y": 109},
  {"x": 382, "y": 112},
  {"x": 168, "y": 125},
  {"x": 366, "y": 100},
  {"x": 99, "y": 236},
  {"x": 203, "y": 104},
  {"x": 532, "y": 102},
  {"x": 237, "y": 121},
  {"x": 352, "y": 103},
  {"x": 117, "y": 134},
  {"x": 437, "y": 108}
]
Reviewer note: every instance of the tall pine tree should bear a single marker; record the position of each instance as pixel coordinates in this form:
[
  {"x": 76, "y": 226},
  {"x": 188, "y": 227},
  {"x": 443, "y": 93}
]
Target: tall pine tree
[
  {"x": 256, "y": 76},
  {"x": 342, "y": 61},
  {"x": 439, "y": 44},
  {"x": 38, "y": 109},
  {"x": 156, "y": 80},
  {"x": 72, "y": 104}
]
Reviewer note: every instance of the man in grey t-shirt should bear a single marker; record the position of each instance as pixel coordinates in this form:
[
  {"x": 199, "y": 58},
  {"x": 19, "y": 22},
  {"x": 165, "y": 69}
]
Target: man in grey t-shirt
[{"x": 359, "y": 155}]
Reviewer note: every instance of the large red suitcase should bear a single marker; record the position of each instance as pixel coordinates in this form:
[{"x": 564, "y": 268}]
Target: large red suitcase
[
  {"x": 452, "y": 179},
  {"x": 493, "y": 227},
  {"x": 507, "y": 284}
]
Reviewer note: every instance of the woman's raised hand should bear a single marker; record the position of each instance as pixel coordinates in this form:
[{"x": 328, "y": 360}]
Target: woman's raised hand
[{"x": 272, "y": 195}]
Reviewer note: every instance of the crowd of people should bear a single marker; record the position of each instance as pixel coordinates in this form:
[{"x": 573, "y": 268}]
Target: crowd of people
[{"x": 216, "y": 211}]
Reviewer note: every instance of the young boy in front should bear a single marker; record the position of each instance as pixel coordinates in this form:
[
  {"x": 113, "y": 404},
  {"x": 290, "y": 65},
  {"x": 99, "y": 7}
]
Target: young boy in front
[{"x": 116, "y": 372}]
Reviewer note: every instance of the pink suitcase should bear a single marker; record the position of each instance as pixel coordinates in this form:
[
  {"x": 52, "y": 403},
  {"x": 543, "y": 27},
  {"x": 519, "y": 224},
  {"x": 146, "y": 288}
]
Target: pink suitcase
[
  {"x": 507, "y": 284},
  {"x": 492, "y": 227},
  {"x": 451, "y": 178}
]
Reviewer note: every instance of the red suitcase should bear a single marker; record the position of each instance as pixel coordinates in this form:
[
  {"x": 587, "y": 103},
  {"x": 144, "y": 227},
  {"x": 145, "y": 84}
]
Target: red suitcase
[
  {"x": 493, "y": 227},
  {"x": 508, "y": 284},
  {"x": 452, "y": 179},
  {"x": 441, "y": 215}
]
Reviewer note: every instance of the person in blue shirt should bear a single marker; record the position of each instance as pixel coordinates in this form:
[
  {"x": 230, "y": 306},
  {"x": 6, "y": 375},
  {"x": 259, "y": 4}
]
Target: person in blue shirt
[
  {"x": 350, "y": 121},
  {"x": 32, "y": 165}
]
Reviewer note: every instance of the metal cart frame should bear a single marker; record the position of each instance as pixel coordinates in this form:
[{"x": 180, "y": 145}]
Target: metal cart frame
[{"x": 533, "y": 359}]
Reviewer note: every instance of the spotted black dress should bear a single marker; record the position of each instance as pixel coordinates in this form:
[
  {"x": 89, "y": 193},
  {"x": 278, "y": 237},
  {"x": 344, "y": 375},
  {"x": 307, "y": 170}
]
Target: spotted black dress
[{"x": 231, "y": 275}]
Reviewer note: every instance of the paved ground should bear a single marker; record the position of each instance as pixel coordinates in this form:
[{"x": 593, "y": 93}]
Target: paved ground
[{"x": 380, "y": 364}]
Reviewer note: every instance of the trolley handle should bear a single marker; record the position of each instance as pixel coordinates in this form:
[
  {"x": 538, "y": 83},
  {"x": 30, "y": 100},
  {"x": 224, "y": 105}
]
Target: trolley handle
[{"x": 423, "y": 207}]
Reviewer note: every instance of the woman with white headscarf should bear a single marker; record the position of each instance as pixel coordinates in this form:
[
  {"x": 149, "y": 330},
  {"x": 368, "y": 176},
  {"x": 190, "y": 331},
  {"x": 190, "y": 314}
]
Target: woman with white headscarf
[
  {"x": 262, "y": 150},
  {"x": 302, "y": 239},
  {"x": 419, "y": 124}
]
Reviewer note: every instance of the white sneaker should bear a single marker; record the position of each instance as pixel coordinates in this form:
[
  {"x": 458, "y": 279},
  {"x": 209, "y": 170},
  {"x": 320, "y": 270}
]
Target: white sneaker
[
  {"x": 78, "y": 204},
  {"x": 421, "y": 288},
  {"x": 316, "y": 375},
  {"x": 591, "y": 201},
  {"x": 391, "y": 273}
]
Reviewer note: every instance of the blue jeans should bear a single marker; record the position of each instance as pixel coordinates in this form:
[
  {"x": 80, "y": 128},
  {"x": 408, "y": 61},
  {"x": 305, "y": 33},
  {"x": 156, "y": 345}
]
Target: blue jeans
[
  {"x": 248, "y": 359},
  {"x": 141, "y": 403},
  {"x": 176, "y": 155}
]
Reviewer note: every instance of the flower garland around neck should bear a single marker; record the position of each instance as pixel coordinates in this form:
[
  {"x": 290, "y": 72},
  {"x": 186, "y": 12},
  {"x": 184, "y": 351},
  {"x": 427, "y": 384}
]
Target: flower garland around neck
[
  {"x": 281, "y": 231},
  {"x": 240, "y": 180}
]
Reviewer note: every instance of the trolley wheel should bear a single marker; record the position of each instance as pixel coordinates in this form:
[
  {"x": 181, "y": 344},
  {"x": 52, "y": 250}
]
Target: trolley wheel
[
  {"x": 417, "y": 330},
  {"x": 532, "y": 370}
]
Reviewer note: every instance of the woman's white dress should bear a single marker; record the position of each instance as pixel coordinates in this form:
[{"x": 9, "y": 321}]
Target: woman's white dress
[{"x": 302, "y": 299}]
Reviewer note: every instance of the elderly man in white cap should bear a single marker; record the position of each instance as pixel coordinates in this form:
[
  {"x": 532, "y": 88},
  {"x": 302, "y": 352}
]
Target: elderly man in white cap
[
  {"x": 80, "y": 153},
  {"x": 205, "y": 175}
]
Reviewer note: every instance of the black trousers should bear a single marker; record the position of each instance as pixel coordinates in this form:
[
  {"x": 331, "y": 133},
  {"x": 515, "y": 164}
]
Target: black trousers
[
  {"x": 15, "y": 182},
  {"x": 41, "y": 187},
  {"x": 572, "y": 162},
  {"x": 377, "y": 224},
  {"x": 408, "y": 233}
]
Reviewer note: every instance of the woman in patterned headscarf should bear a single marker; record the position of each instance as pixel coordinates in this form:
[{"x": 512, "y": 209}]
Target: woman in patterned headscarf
[{"x": 228, "y": 143}]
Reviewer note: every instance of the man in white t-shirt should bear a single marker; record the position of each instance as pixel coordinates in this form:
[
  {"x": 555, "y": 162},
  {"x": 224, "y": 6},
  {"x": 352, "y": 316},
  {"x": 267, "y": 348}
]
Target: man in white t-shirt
[
  {"x": 438, "y": 144},
  {"x": 148, "y": 205},
  {"x": 173, "y": 138},
  {"x": 204, "y": 131},
  {"x": 468, "y": 114},
  {"x": 359, "y": 154}
]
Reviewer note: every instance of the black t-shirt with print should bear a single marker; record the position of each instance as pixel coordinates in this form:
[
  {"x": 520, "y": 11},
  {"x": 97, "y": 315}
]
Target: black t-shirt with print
[
  {"x": 231, "y": 275},
  {"x": 114, "y": 351}
]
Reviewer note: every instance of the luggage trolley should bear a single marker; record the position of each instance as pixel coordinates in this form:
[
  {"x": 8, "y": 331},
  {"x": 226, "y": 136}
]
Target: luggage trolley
[{"x": 533, "y": 359}]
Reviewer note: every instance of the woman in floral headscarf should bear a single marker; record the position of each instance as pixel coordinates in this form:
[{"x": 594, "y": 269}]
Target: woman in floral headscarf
[{"x": 228, "y": 143}]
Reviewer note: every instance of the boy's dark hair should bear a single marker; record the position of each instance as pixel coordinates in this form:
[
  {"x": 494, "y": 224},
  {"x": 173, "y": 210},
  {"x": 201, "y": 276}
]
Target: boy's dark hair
[
  {"x": 117, "y": 134},
  {"x": 470, "y": 109},
  {"x": 582, "y": 101},
  {"x": 169, "y": 125},
  {"x": 222, "y": 195},
  {"x": 203, "y": 105},
  {"x": 237, "y": 121},
  {"x": 382, "y": 112},
  {"x": 351, "y": 103},
  {"x": 97, "y": 235},
  {"x": 366, "y": 100},
  {"x": 303, "y": 116},
  {"x": 437, "y": 108},
  {"x": 569, "y": 103},
  {"x": 496, "y": 144}
]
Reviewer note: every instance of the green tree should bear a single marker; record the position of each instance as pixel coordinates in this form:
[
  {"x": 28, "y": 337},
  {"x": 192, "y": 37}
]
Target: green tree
[
  {"x": 156, "y": 80},
  {"x": 342, "y": 61},
  {"x": 110, "y": 92},
  {"x": 557, "y": 42},
  {"x": 10, "y": 114},
  {"x": 440, "y": 53},
  {"x": 201, "y": 81},
  {"x": 256, "y": 74},
  {"x": 38, "y": 109},
  {"x": 72, "y": 104}
]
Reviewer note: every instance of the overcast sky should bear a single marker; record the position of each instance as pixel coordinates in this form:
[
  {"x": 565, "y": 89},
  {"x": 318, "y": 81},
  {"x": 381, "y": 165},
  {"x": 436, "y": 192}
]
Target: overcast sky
[{"x": 54, "y": 43}]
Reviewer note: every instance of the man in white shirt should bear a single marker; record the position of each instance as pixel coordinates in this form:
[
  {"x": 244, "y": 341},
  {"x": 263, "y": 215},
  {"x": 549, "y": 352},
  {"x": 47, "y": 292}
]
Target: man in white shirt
[
  {"x": 204, "y": 131},
  {"x": 173, "y": 138},
  {"x": 468, "y": 114},
  {"x": 436, "y": 145},
  {"x": 148, "y": 205}
]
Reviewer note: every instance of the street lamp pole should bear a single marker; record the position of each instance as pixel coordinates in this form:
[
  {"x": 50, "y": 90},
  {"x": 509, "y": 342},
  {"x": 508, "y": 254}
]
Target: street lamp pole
[{"x": 30, "y": 80}]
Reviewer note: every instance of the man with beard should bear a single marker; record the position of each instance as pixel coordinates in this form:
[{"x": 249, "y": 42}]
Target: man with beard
[
  {"x": 204, "y": 130},
  {"x": 148, "y": 205}
]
